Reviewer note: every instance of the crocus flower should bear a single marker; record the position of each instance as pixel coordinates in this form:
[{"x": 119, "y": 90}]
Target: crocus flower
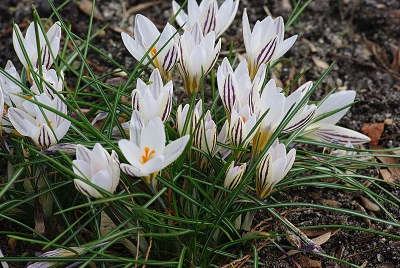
[
  {"x": 234, "y": 175},
  {"x": 146, "y": 34},
  {"x": 29, "y": 43},
  {"x": 272, "y": 168},
  {"x": 266, "y": 42},
  {"x": 197, "y": 57},
  {"x": 194, "y": 116},
  {"x": 39, "y": 128},
  {"x": 98, "y": 167},
  {"x": 237, "y": 85},
  {"x": 242, "y": 122},
  {"x": 146, "y": 151},
  {"x": 205, "y": 138},
  {"x": 154, "y": 99},
  {"x": 327, "y": 131},
  {"x": 208, "y": 15},
  {"x": 55, "y": 83},
  {"x": 278, "y": 106}
]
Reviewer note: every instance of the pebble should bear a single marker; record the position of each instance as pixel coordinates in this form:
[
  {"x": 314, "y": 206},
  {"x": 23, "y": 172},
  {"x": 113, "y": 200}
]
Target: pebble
[{"x": 388, "y": 121}]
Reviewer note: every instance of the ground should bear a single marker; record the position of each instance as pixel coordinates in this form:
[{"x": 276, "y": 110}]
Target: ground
[{"x": 361, "y": 36}]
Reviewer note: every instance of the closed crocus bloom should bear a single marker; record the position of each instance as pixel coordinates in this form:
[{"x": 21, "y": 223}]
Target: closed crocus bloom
[
  {"x": 265, "y": 43},
  {"x": 234, "y": 175},
  {"x": 98, "y": 167},
  {"x": 197, "y": 57},
  {"x": 146, "y": 34},
  {"x": 205, "y": 138},
  {"x": 29, "y": 42},
  {"x": 183, "y": 113},
  {"x": 208, "y": 15},
  {"x": 146, "y": 151},
  {"x": 242, "y": 122},
  {"x": 237, "y": 85},
  {"x": 54, "y": 83},
  {"x": 327, "y": 131},
  {"x": 272, "y": 168},
  {"x": 153, "y": 100},
  {"x": 38, "y": 128}
]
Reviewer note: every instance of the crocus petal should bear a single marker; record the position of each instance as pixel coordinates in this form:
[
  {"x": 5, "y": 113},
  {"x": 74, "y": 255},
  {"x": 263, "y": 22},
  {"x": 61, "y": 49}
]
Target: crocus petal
[
  {"x": 17, "y": 117},
  {"x": 334, "y": 102},
  {"x": 327, "y": 133},
  {"x": 174, "y": 150},
  {"x": 83, "y": 153},
  {"x": 86, "y": 189},
  {"x": 103, "y": 179},
  {"x": 44, "y": 137}
]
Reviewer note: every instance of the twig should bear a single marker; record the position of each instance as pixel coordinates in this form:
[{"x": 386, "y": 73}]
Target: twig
[
  {"x": 148, "y": 251},
  {"x": 355, "y": 254},
  {"x": 35, "y": 177},
  {"x": 137, "y": 244},
  {"x": 373, "y": 65}
]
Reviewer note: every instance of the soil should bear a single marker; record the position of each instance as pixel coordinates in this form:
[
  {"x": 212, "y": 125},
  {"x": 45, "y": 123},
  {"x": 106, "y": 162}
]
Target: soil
[{"x": 361, "y": 36}]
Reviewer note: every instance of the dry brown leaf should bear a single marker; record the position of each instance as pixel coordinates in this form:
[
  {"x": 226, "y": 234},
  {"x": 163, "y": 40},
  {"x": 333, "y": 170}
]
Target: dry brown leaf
[
  {"x": 331, "y": 203},
  {"x": 12, "y": 243},
  {"x": 396, "y": 60},
  {"x": 363, "y": 211},
  {"x": 388, "y": 160},
  {"x": 387, "y": 175},
  {"x": 318, "y": 231},
  {"x": 142, "y": 6},
  {"x": 120, "y": 30},
  {"x": 106, "y": 224},
  {"x": 322, "y": 238},
  {"x": 306, "y": 262},
  {"x": 86, "y": 7},
  {"x": 368, "y": 204},
  {"x": 320, "y": 63},
  {"x": 374, "y": 131}
]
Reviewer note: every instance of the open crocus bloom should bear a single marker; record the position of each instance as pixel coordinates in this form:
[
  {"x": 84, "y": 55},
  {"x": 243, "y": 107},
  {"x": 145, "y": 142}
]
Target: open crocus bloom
[
  {"x": 272, "y": 168},
  {"x": 197, "y": 57},
  {"x": 327, "y": 131},
  {"x": 154, "y": 100},
  {"x": 278, "y": 106},
  {"x": 146, "y": 151},
  {"x": 146, "y": 34},
  {"x": 266, "y": 42},
  {"x": 237, "y": 85},
  {"x": 208, "y": 15},
  {"x": 39, "y": 128},
  {"x": 98, "y": 167},
  {"x": 30, "y": 45}
]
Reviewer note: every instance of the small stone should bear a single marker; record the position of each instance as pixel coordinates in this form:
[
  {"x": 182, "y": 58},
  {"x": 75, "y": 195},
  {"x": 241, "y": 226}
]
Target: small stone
[
  {"x": 388, "y": 121},
  {"x": 343, "y": 88}
]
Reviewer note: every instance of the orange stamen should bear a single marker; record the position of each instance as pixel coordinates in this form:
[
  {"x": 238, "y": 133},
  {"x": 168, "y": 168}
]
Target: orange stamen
[
  {"x": 47, "y": 124},
  {"x": 146, "y": 155},
  {"x": 244, "y": 119},
  {"x": 154, "y": 52},
  {"x": 5, "y": 109}
]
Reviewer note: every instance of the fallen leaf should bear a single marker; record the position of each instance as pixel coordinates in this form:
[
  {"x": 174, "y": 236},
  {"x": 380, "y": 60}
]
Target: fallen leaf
[
  {"x": 312, "y": 47},
  {"x": 106, "y": 224},
  {"x": 331, "y": 203},
  {"x": 86, "y": 7},
  {"x": 318, "y": 231},
  {"x": 368, "y": 204},
  {"x": 387, "y": 175},
  {"x": 307, "y": 262},
  {"x": 388, "y": 160},
  {"x": 320, "y": 63},
  {"x": 12, "y": 243},
  {"x": 142, "y": 6},
  {"x": 374, "y": 131},
  {"x": 322, "y": 238}
]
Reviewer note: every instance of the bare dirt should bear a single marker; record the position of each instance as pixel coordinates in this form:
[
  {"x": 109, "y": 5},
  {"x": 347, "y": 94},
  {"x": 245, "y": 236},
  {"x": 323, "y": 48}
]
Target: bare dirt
[{"x": 361, "y": 36}]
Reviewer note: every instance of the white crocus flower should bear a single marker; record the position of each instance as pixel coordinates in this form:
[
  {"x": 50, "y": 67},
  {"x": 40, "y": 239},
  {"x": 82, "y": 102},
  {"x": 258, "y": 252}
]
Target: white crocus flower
[
  {"x": 208, "y": 15},
  {"x": 183, "y": 113},
  {"x": 266, "y": 42},
  {"x": 205, "y": 138},
  {"x": 55, "y": 83},
  {"x": 30, "y": 45},
  {"x": 197, "y": 57},
  {"x": 272, "y": 168},
  {"x": 237, "y": 85},
  {"x": 234, "y": 175},
  {"x": 154, "y": 99},
  {"x": 242, "y": 122},
  {"x": 98, "y": 167},
  {"x": 278, "y": 106},
  {"x": 146, "y": 34},
  {"x": 327, "y": 131},
  {"x": 146, "y": 151},
  {"x": 39, "y": 128}
]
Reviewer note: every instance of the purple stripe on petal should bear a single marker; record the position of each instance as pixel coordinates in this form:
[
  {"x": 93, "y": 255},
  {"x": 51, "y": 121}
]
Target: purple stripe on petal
[
  {"x": 299, "y": 124},
  {"x": 267, "y": 52}
]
